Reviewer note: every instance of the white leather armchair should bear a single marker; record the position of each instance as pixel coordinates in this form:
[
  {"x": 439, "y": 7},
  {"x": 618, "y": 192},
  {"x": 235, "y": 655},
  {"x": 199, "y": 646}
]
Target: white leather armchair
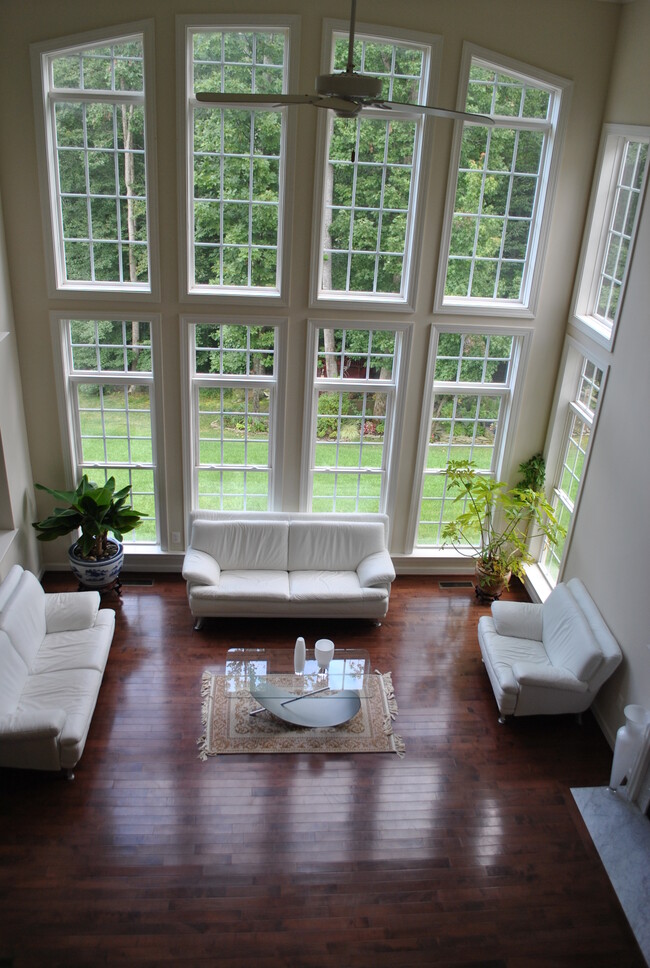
[{"x": 550, "y": 658}]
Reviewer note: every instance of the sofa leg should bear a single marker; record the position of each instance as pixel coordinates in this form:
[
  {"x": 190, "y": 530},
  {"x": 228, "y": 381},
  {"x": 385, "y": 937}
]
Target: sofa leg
[
  {"x": 198, "y": 623},
  {"x": 503, "y": 719},
  {"x": 68, "y": 773}
]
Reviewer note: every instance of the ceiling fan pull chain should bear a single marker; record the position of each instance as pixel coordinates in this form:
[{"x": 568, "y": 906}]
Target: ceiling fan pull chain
[{"x": 353, "y": 13}]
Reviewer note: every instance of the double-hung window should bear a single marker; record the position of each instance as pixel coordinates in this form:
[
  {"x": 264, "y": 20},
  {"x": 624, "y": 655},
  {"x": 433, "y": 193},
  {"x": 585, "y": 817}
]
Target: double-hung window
[
  {"x": 109, "y": 399},
  {"x": 234, "y": 383},
  {"x": 472, "y": 379},
  {"x": 235, "y": 192},
  {"x": 576, "y": 434},
  {"x": 611, "y": 230},
  {"x": 99, "y": 171},
  {"x": 500, "y": 194},
  {"x": 355, "y": 374},
  {"x": 371, "y": 177}
]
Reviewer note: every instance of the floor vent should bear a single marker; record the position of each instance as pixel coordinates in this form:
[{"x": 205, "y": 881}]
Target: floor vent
[
  {"x": 137, "y": 581},
  {"x": 455, "y": 584}
]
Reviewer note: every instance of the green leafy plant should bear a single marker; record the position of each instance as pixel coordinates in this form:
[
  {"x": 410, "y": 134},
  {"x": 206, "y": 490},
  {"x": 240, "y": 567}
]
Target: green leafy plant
[
  {"x": 533, "y": 472},
  {"x": 497, "y": 520},
  {"x": 94, "y": 509}
]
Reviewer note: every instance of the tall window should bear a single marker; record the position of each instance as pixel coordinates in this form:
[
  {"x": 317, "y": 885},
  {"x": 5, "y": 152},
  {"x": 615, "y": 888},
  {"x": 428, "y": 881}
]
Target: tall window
[
  {"x": 370, "y": 183},
  {"x": 352, "y": 417},
  {"x": 233, "y": 368},
  {"x": 574, "y": 449},
  {"x": 496, "y": 214},
  {"x": 96, "y": 137},
  {"x": 611, "y": 229},
  {"x": 473, "y": 382},
  {"x": 109, "y": 391},
  {"x": 236, "y": 164}
]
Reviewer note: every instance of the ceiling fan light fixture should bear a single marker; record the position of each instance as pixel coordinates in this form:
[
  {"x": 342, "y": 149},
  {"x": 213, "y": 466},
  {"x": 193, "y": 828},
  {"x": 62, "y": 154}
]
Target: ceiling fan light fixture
[{"x": 348, "y": 85}]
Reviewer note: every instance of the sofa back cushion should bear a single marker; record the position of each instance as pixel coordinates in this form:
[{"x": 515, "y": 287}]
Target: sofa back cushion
[
  {"x": 13, "y": 676},
  {"x": 254, "y": 545},
  {"x": 333, "y": 545},
  {"x": 23, "y": 618},
  {"x": 567, "y": 638},
  {"x": 9, "y": 585}
]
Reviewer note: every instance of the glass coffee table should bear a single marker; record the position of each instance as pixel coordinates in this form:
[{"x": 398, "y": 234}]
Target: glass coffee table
[{"x": 316, "y": 697}]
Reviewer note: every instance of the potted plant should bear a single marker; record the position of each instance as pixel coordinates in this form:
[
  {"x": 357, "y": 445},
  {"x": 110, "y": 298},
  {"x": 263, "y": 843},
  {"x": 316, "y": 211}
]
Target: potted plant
[
  {"x": 96, "y": 510},
  {"x": 495, "y": 525}
]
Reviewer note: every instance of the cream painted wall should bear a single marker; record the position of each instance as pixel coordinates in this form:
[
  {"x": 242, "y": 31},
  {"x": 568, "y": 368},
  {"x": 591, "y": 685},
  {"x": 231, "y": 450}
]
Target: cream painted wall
[
  {"x": 612, "y": 527},
  {"x": 17, "y": 539},
  {"x": 575, "y": 40}
]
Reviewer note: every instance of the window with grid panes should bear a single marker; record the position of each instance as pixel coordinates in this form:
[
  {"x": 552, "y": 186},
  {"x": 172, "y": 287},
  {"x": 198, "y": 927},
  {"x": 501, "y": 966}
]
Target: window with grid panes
[
  {"x": 609, "y": 238},
  {"x": 236, "y": 161},
  {"x": 233, "y": 370},
  {"x": 371, "y": 176},
  {"x": 97, "y": 154},
  {"x": 355, "y": 382},
  {"x": 109, "y": 375},
  {"x": 472, "y": 389},
  {"x": 582, "y": 410},
  {"x": 500, "y": 189}
]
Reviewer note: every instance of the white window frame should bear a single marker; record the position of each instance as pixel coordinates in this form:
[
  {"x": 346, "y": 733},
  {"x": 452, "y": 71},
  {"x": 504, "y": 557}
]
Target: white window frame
[
  {"x": 186, "y": 26},
  {"x": 554, "y": 126},
  {"x": 565, "y": 406},
  {"x": 67, "y": 378},
  {"x": 41, "y": 56},
  {"x": 191, "y": 383},
  {"x": 614, "y": 140},
  {"x": 404, "y": 301},
  {"x": 395, "y": 388},
  {"x": 510, "y": 394}
]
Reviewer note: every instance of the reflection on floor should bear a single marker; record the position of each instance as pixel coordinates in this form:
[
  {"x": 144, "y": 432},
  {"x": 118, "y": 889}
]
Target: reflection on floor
[{"x": 622, "y": 837}]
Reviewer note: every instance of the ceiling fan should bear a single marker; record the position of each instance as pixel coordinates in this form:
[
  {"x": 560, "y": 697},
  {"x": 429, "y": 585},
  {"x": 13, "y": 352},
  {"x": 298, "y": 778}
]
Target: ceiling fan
[{"x": 345, "y": 93}]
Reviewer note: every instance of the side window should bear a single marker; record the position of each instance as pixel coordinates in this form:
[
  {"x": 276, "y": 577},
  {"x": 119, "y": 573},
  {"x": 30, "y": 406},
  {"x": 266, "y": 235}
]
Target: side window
[
  {"x": 350, "y": 440},
  {"x": 236, "y": 161},
  {"x": 472, "y": 381},
  {"x": 97, "y": 146},
  {"x": 233, "y": 396},
  {"x": 611, "y": 230},
  {"x": 371, "y": 177},
  {"x": 108, "y": 385},
  {"x": 500, "y": 196},
  {"x": 575, "y": 435}
]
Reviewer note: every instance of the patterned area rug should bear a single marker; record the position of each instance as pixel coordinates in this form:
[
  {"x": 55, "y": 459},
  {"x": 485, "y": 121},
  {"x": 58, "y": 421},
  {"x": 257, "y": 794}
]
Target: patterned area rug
[{"x": 230, "y": 729}]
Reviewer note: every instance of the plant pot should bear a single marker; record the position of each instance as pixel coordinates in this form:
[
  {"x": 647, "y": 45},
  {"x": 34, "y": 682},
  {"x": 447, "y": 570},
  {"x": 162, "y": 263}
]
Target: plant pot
[
  {"x": 97, "y": 574},
  {"x": 489, "y": 586}
]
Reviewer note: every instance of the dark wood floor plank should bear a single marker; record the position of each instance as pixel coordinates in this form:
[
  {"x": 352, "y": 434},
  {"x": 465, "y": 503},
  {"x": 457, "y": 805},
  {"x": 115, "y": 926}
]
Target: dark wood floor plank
[{"x": 468, "y": 852}]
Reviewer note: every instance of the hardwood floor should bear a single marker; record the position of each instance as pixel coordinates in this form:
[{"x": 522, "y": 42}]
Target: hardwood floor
[{"x": 468, "y": 852}]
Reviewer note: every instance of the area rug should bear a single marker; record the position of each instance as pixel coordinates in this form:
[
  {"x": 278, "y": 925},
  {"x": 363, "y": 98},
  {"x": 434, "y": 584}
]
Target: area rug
[{"x": 230, "y": 729}]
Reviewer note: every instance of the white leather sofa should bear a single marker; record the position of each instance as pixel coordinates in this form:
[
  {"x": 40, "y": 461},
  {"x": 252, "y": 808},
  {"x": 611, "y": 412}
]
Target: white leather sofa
[
  {"x": 550, "y": 658},
  {"x": 279, "y": 564},
  {"x": 53, "y": 651}
]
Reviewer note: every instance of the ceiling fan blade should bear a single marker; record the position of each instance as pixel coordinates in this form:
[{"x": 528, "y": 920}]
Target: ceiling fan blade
[
  {"x": 254, "y": 100},
  {"x": 482, "y": 119}
]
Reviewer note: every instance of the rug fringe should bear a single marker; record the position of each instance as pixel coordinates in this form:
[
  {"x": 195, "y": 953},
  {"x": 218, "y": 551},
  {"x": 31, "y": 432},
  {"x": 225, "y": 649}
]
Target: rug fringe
[
  {"x": 387, "y": 680},
  {"x": 202, "y": 741}
]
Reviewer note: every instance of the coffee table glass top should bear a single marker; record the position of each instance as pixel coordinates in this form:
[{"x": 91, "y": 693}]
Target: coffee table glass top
[{"x": 317, "y": 697}]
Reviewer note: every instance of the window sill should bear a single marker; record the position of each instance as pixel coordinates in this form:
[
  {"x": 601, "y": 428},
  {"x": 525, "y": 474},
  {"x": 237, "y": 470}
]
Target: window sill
[{"x": 537, "y": 584}]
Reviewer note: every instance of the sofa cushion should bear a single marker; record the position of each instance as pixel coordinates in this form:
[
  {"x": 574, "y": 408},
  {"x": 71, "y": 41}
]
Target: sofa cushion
[
  {"x": 242, "y": 545},
  {"x": 238, "y": 584},
  {"x": 13, "y": 675},
  {"x": 324, "y": 586},
  {"x": 567, "y": 637},
  {"x": 76, "y": 692},
  {"x": 87, "y": 649},
  {"x": 70, "y": 611},
  {"x": 23, "y": 617},
  {"x": 333, "y": 545},
  {"x": 504, "y": 651}
]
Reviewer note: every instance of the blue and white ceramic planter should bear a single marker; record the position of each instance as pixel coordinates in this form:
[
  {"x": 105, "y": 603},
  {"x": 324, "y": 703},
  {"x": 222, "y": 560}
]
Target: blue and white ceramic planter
[{"x": 97, "y": 574}]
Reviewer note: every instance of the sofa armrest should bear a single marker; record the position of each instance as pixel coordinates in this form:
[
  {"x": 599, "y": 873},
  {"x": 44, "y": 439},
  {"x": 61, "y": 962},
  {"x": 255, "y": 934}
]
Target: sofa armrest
[
  {"x": 41, "y": 724},
  {"x": 200, "y": 568},
  {"x": 70, "y": 611},
  {"x": 550, "y": 677},
  {"x": 376, "y": 569},
  {"x": 521, "y": 620}
]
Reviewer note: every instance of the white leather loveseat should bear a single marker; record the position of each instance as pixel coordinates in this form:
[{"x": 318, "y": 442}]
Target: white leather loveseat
[
  {"x": 280, "y": 564},
  {"x": 550, "y": 658},
  {"x": 53, "y": 651}
]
